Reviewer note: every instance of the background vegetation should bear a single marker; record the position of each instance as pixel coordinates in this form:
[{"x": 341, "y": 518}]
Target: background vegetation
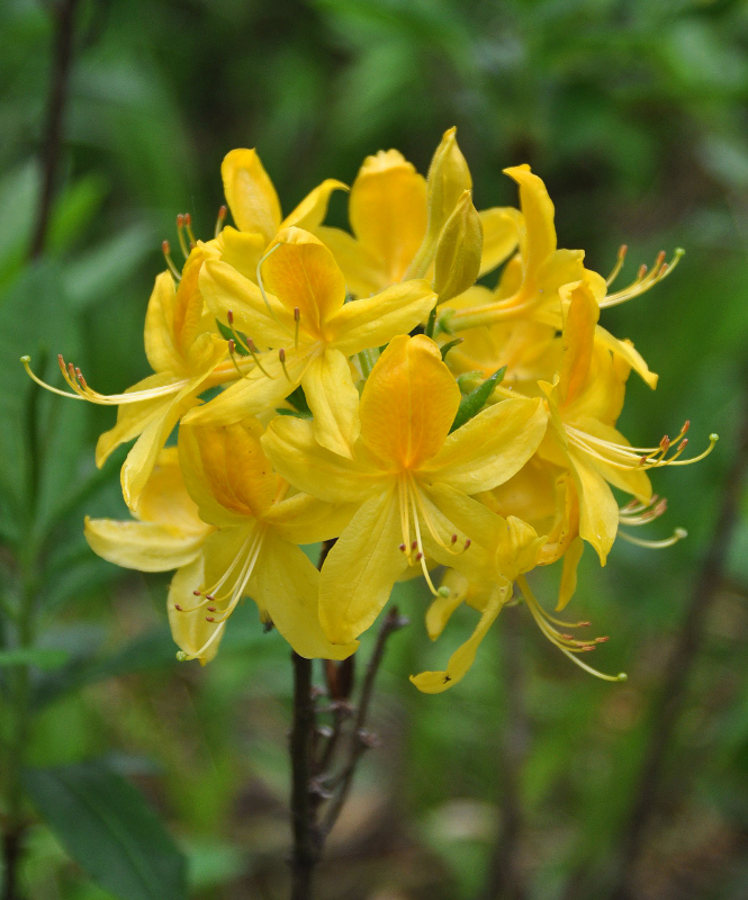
[{"x": 530, "y": 779}]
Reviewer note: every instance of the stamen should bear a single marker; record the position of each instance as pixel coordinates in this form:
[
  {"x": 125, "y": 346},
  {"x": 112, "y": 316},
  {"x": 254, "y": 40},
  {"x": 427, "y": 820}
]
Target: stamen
[
  {"x": 81, "y": 391},
  {"x": 180, "y": 235},
  {"x": 566, "y": 643},
  {"x": 220, "y": 219},
  {"x": 166, "y": 250},
  {"x": 188, "y": 229},
  {"x": 645, "y": 278},
  {"x": 260, "y": 284},
  {"x": 676, "y": 536},
  {"x": 623, "y": 456},
  {"x": 622, "y": 250}
]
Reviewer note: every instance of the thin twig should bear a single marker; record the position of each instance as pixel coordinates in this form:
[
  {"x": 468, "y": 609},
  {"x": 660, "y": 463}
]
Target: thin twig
[
  {"x": 64, "y": 14},
  {"x": 307, "y": 845},
  {"x": 672, "y": 699},
  {"x": 361, "y": 740},
  {"x": 504, "y": 877}
]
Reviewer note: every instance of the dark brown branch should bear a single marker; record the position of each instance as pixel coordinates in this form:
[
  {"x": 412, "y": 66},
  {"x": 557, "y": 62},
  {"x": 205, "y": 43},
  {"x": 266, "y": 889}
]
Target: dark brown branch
[
  {"x": 361, "y": 740},
  {"x": 64, "y": 14},
  {"x": 504, "y": 878},
  {"x": 307, "y": 844},
  {"x": 671, "y": 702}
]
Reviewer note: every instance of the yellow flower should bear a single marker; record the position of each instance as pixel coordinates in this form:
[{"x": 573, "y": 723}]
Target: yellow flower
[
  {"x": 407, "y": 227},
  {"x": 185, "y": 352},
  {"x": 167, "y": 533},
  {"x": 299, "y": 312},
  {"x": 253, "y": 550},
  {"x": 256, "y": 211},
  {"x": 409, "y": 478}
]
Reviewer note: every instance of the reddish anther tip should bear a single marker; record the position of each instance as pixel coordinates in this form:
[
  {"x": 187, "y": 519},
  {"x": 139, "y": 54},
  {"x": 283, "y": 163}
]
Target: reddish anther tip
[
  {"x": 211, "y": 608},
  {"x": 198, "y": 593},
  {"x": 296, "y": 313},
  {"x": 453, "y": 539},
  {"x": 402, "y": 548},
  {"x": 177, "y": 607},
  {"x": 584, "y": 624},
  {"x": 230, "y": 317},
  {"x": 165, "y": 248},
  {"x": 686, "y": 426},
  {"x": 209, "y": 619},
  {"x": 187, "y": 219},
  {"x": 222, "y": 211},
  {"x": 602, "y": 639},
  {"x": 282, "y": 355},
  {"x": 210, "y": 597},
  {"x": 414, "y": 545},
  {"x": 467, "y": 543},
  {"x": 419, "y": 556},
  {"x": 180, "y": 220}
]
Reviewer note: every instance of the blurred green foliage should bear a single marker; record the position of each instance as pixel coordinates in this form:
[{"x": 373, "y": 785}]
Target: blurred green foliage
[{"x": 635, "y": 114}]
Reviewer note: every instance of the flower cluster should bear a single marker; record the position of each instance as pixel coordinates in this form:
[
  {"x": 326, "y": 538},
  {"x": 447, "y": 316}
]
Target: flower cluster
[{"x": 361, "y": 388}]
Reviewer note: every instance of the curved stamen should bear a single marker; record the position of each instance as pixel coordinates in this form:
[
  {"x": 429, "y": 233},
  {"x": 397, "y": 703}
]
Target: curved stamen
[
  {"x": 566, "y": 643},
  {"x": 645, "y": 279},
  {"x": 622, "y": 250},
  {"x": 623, "y": 456},
  {"x": 676, "y": 536}
]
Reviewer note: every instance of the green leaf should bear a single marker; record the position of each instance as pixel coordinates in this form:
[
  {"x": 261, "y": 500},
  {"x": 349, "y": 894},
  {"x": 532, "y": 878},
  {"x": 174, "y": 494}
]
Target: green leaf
[
  {"x": 473, "y": 403},
  {"x": 109, "y": 830}
]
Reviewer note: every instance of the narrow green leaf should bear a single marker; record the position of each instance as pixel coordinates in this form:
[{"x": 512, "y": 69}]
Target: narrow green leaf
[
  {"x": 473, "y": 403},
  {"x": 107, "y": 827}
]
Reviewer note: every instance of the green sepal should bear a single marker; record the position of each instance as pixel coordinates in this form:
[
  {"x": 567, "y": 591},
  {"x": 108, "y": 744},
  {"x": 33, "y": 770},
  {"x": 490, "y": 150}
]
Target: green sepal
[
  {"x": 472, "y": 403},
  {"x": 447, "y": 347}
]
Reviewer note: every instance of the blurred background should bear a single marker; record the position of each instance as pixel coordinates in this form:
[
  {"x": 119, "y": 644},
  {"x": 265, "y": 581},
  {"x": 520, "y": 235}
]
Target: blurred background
[{"x": 530, "y": 779}]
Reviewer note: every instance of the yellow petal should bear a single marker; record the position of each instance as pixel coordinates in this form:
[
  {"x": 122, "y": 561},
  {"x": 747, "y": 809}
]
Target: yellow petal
[
  {"x": 303, "y": 275},
  {"x": 569, "y": 573},
  {"x": 501, "y": 227},
  {"x": 286, "y": 587},
  {"x": 373, "y": 321},
  {"x": 388, "y": 212},
  {"x": 491, "y": 447},
  {"x": 226, "y": 470},
  {"x": 625, "y": 349},
  {"x": 313, "y": 208},
  {"x": 165, "y": 500},
  {"x": 333, "y": 400},
  {"x": 408, "y": 403},
  {"x": 145, "y": 546},
  {"x": 362, "y": 270},
  {"x": 598, "y": 510},
  {"x": 539, "y": 238},
  {"x": 250, "y": 193},
  {"x": 462, "y": 659},
  {"x": 361, "y": 568},
  {"x": 578, "y": 341},
  {"x": 290, "y": 444},
  {"x": 262, "y": 319}
]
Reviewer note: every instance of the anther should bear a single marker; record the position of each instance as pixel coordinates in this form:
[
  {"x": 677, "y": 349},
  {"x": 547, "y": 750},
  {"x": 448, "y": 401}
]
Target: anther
[
  {"x": 220, "y": 219},
  {"x": 180, "y": 235},
  {"x": 178, "y": 607},
  {"x": 402, "y": 548},
  {"x": 209, "y": 619},
  {"x": 282, "y": 358},
  {"x": 467, "y": 542},
  {"x": 166, "y": 250},
  {"x": 453, "y": 539},
  {"x": 198, "y": 593},
  {"x": 296, "y": 319}
]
